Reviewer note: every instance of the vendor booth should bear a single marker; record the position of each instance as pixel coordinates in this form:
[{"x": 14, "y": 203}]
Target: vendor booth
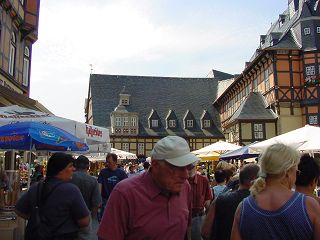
[{"x": 28, "y": 136}]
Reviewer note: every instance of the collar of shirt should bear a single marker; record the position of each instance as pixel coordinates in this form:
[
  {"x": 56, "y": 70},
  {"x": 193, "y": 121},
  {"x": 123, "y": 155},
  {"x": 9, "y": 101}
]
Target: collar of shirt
[{"x": 152, "y": 189}]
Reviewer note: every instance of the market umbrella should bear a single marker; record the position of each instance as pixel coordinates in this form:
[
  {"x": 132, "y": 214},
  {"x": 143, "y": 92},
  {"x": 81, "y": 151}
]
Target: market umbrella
[
  {"x": 96, "y": 137},
  {"x": 218, "y": 147},
  {"x": 239, "y": 154},
  {"x": 38, "y": 136},
  {"x": 208, "y": 157},
  {"x": 97, "y": 157}
]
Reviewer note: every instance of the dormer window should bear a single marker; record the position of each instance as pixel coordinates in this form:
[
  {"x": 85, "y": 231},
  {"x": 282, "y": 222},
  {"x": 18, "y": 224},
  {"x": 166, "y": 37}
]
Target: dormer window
[
  {"x": 189, "y": 123},
  {"x": 172, "y": 123},
  {"x": 205, "y": 119},
  {"x": 154, "y": 123},
  {"x": 124, "y": 102},
  {"x": 171, "y": 119},
  {"x": 124, "y": 97},
  {"x": 188, "y": 120},
  {"x": 153, "y": 119},
  {"x": 307, "y": 31},
  {"x": 206, "y": 123}
]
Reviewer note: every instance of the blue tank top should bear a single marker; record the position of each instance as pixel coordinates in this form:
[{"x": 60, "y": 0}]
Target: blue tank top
[{"x": 290, "y": 221}]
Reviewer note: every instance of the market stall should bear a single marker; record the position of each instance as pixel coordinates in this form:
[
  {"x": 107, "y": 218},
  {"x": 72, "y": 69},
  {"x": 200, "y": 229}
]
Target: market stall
[
  {"x": 29, "y": 136},
  {"x": 96, "y": 137}
]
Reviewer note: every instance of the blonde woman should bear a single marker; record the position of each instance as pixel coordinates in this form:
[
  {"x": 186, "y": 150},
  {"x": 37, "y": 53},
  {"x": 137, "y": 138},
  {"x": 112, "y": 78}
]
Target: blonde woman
[{"x": 273, "y": 210}]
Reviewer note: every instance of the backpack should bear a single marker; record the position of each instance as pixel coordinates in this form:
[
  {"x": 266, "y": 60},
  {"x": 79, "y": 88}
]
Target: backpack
[{"x": 38, "y": 227}]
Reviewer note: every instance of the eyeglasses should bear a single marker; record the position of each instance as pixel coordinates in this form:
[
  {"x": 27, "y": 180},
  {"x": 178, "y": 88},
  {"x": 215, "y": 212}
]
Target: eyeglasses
[{"x": 188, "y": 167}]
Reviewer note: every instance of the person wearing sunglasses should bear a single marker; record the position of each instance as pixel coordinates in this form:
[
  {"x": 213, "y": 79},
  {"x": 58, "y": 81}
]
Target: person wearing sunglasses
[{"x": 156, "y": 204}]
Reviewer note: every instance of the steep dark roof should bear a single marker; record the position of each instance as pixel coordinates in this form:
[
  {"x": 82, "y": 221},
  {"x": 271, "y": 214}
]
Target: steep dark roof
[
  {"x": 253, "y": 108},
  {"x": 285, "y": 37},
  {"x": 218, "y": 75},
  {"x": 160, "y": 94}
]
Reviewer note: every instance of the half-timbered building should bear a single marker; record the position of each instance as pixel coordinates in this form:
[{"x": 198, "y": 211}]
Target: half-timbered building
[
  {"x": 140, "y": 110},
  {"x": 281, "y": 79},
  {"x": 18, "y": 32}
]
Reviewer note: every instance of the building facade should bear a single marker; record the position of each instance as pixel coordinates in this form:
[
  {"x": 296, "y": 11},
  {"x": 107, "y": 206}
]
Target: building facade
[
  {"x": 283, "y": 74},
  {"x": 140, "y": 110},
  {"x": 18, "y": 32}
]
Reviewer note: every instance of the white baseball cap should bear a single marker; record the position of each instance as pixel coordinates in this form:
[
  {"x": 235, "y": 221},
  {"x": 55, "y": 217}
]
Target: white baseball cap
[{"x": 175, "y": 150}]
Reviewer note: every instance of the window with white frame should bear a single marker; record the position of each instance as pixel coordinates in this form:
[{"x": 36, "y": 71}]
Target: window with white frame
[
  {"x": 313, "y": 119},
  {"x": 154, "y": 123},
  {"x": 172, "y": 123},
  {"x": 318, "y": 29},
  {"x": 133, "y": 121},
  {"x": 12, "y": 54},
  {"x": 306, "y": 31},
  {"x": 310, "y": 70},
  {"x": 125, "y": 147},
  {"x": 206, "y": 123},
  {"x": 26, "y": 63},
  {"x": 118, "y": 121},
  {"x": 124, "y": 101},
  {"x": 140, "y": 148},
  {"x": 125, "y": 121},
  {"x": 258, "y": 130},
  {"x": 189, "y": 123}
]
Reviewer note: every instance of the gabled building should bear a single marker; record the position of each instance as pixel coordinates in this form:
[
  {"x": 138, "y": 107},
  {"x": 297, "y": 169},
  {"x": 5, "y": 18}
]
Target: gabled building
[
  {"x": 140, "y": 110},
  {"x": 284, "y": 75},
  {"x": 18, "y": 32}
]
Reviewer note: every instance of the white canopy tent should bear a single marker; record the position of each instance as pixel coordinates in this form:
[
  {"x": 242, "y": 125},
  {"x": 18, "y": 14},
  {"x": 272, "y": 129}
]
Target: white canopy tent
[
  {"x": 122, "y": 155},
  {"x": 218, "y": 147},
  {"x": 303, "y": 139},
  {"x": 96, "y": 137}
]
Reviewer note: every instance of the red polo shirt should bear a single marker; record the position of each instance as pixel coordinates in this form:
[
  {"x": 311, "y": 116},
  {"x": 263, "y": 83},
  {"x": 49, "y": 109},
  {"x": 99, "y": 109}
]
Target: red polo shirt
[
  {"x": 201, "y": 192},
  {"x": 137, "y": 210}
]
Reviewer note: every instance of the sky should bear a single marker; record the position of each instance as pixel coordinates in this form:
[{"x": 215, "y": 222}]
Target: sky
[{"x": 168, "y": 38}]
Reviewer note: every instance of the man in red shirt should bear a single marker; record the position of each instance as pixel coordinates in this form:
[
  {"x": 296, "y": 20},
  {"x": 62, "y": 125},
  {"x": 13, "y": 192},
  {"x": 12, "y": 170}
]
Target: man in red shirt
[
  {"x": 201, "y": 198},
  {"x": 156, "y": 204}
]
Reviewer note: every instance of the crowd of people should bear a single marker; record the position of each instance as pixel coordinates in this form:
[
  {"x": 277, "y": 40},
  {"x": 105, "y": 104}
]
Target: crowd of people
[{"x": 169, "y": 199}]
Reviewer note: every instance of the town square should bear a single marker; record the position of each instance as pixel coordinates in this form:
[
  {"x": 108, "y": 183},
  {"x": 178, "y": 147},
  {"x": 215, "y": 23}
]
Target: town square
[{"x": 159, "y": 119}]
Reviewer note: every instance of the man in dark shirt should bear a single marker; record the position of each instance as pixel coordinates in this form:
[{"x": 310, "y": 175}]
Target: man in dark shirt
[
  {"x": 89, "y": 189},
  {"x": 108, "y": 178},
  {"x": 62, "y": 205},
  {"x": 218, "y": 223}
]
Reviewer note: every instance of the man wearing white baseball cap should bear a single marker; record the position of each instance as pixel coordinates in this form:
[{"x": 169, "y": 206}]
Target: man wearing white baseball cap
[{"x": 157, "y": 203}]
